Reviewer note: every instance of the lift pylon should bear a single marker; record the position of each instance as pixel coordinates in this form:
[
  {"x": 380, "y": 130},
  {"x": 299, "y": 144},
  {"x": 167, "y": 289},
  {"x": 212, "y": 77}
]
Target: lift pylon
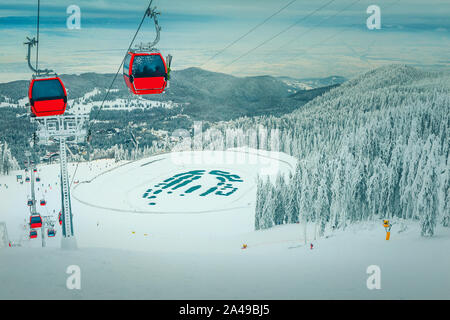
[{"x": 64, "y": 129}]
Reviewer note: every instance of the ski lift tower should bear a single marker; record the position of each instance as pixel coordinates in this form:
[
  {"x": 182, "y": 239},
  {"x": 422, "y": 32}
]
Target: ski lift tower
[{"x": 63, "y": 129}]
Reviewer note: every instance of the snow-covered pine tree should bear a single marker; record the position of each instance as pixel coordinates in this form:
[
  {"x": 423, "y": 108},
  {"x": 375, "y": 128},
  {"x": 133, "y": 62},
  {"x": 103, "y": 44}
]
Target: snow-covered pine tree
[
  {"x": 291, "y": 203},
  {"x": 321, "y": 207},
  {"x": 269, "y": 205},
  {"x": 260, "y": 201},
  {"x": 445, "y": 193},
  {"x": 305, "y": 203},
  {"x": 7, "y": 161},
  {"x": 428, "y": 198},
  {"x": 279, "y": 191}
]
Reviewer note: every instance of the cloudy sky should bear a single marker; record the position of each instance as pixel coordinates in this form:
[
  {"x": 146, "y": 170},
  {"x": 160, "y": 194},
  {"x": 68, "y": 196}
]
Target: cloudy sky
[{"x": 308, "y": 38}]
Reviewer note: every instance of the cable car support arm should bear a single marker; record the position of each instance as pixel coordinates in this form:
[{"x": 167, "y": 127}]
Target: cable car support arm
[
  {"x": 32, "y": 42},
  {"x": 152, "y": 13}
]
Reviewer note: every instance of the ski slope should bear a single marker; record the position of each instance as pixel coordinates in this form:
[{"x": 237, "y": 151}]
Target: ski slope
[
  {"x": 110, "y": 211},
  {"x": 189, "y": 247}
]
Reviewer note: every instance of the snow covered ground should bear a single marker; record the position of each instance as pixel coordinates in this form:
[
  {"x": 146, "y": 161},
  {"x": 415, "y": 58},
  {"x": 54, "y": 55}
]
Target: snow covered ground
[
  {"x": 188, "y": 246},
  {"x": 85, "y": 104},
  {"x": 21, "y": 103},
  {"x": 84, "y": 107}
]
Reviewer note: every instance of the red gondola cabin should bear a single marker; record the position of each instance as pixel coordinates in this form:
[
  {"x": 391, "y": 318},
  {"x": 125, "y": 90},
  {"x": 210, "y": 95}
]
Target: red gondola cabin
[
  {"x": 60, "y": 218},
  {"x": 51, "y": 233},
  {"x": 35, "y": 221},
  {"x": 145, "y": 72},
  {"x": 33, "y": 234},
  {"x": 47, "y": 97},
  {"x": 43, "y": 202}
]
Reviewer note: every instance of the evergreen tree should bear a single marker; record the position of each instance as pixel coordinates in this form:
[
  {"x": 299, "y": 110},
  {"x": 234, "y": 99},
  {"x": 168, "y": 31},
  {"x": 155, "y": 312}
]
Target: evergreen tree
[
  {"x": 260, "y": 200},
  {"x": 279, "y": 191}
]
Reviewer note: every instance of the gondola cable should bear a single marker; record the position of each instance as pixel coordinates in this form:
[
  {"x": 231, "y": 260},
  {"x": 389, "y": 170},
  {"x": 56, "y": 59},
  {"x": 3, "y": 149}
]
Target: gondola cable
[
  {"x": 118, "y": 70},
  {"x": 74, "y": 174},
  {"x": 279, "y": 33},
  {"x": 47, "y": 94},
  {"x": 89, "y": 132},
  {"x": 338, "y": 33},
  {"x": 248, "y": 32},
  {"x": 291, "y": 41},
  {"x": 37, "y": 35}
]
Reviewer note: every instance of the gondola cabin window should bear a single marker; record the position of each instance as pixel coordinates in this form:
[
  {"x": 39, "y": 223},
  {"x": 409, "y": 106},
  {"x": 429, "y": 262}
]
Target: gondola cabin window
[
  {"x": 148, "y": 66},
  {"x": 47, "y": 90},
  {"x": 126, "y": 65}
]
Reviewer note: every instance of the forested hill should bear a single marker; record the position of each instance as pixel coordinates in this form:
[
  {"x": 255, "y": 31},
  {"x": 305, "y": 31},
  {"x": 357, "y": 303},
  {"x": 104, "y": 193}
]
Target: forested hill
[
  {"x": 210, "y": 95},
  {"x": 377, "y": 146},
  {"x": 194, "y": 94}
]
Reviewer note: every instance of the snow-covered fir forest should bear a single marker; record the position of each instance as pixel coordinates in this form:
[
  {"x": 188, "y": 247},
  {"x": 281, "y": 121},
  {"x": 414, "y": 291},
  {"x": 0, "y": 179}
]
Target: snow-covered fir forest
[
  {"x": 375, "y": 147},
  {"x": 7, "y": 161}
]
